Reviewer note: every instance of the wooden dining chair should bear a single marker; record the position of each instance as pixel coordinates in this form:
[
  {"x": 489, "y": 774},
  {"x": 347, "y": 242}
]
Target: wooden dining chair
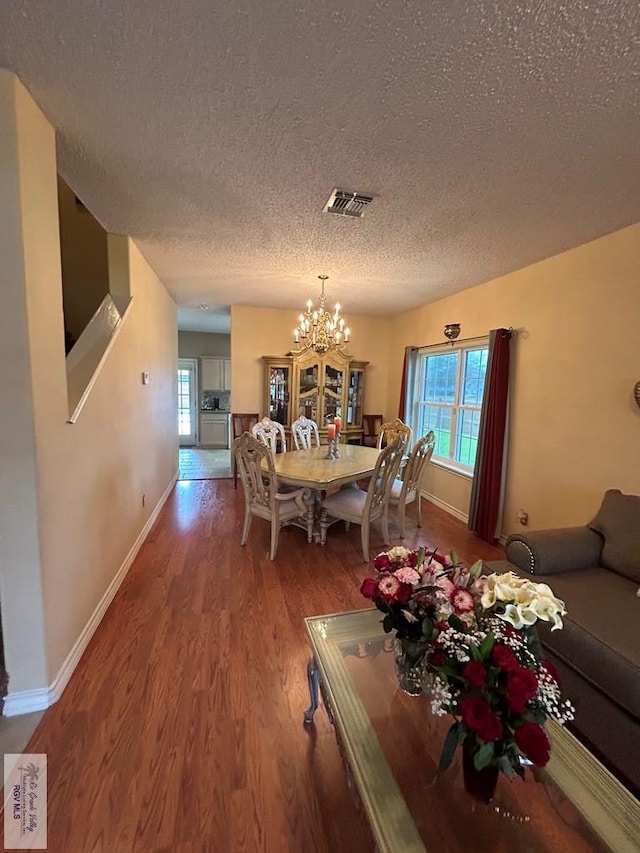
[
  {"x": 408, "y": 489},
  {"x": 391, "y": 430},
  {"x": 371, "y": 427},
  {"x": 240, "y": 422},
  {"x": 270, "y": 433},
  {"x": 303, "y": 431},
  {"x": 364, "y": 507},
  {"x": 262, "y": 496}
]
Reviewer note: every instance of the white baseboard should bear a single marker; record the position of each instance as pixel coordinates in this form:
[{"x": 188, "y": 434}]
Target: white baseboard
[
  {"x": 25, "y": 701},
  {"x": 452, "y": 510},
  {"x": 456, "y": 513}
]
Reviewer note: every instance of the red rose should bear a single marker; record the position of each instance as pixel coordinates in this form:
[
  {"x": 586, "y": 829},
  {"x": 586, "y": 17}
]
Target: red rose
[
  {"x": 437, "y": 658},
  {"x": 381, "y": 562},
  {"x": 439, "y": 558},
  {"x": 404, "y": 592},
  {"x": 412, "y": 559},
  {"x": 521, "y": 687},
  {"x": 473, "y": 710},
  {"x": 369, "y": 588},
  {"x": 504, "y": 657},
  {"x": 477, "y": 715},
  {"x": 533, "y": 742},
  {"x": 475, "y": 672},
  {"x": 491, "y": 728}
]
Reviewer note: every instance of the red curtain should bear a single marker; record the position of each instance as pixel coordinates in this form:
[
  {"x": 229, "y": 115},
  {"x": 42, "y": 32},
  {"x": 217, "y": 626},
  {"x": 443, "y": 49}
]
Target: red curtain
[
  {"x": 403, "y": 390},
  {"x": 486, "y": 493}
]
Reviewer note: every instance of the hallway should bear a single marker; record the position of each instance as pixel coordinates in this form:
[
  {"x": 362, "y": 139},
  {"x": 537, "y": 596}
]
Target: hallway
[{"x": 201, "y": 463}]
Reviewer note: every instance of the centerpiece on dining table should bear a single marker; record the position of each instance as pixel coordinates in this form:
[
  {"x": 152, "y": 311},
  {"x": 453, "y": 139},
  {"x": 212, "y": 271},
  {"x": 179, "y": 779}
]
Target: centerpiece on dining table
[
  {"x": 469, "y": 642},
  {"x": 333, "y": 437}
]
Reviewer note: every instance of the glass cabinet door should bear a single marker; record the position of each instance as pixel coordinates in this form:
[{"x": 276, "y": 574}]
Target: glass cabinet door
[
  {"x": 332, "y": 391},
  {"x": 308, "y": 391},
  {"x": 279, "y": 390},
  {"x": 354, "y": 397}
]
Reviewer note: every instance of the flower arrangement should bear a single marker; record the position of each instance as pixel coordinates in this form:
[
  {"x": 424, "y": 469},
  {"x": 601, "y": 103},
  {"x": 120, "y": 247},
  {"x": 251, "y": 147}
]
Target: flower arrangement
[{"x": 471, "y": 637}]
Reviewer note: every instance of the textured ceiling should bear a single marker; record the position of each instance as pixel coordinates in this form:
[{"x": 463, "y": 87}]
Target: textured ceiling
[{"x": 492, "y": 135}]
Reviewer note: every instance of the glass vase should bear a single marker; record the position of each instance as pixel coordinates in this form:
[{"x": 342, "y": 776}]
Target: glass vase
[
  {"x": 479, "y": 784},
  {"x": 409, "y": 665}
]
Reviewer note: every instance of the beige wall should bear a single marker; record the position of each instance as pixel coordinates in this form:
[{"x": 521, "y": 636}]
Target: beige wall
[
  {"x": 123, "y": 446},
  {"x": 268, "y": 331},
  {"x": 85, "y": 273},
  {"x": 195, "y": 344},
  {"x": 575, "y": 429},
  {"x": 27, "y": 155},
  {"x": 73, "y": 522}
]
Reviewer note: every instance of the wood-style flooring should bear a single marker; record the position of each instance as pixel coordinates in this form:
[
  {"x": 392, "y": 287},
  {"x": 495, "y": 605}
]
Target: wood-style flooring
[{"x": 181, "y": 728}]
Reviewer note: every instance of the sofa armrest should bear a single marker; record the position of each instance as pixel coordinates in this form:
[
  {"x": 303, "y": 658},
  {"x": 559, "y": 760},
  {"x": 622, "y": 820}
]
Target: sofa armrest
[{"x": 546, "y": 552}]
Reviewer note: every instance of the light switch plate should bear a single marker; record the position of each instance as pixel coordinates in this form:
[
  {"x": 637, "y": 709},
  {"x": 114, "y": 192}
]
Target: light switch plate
[{"x": 145, "y": 377}]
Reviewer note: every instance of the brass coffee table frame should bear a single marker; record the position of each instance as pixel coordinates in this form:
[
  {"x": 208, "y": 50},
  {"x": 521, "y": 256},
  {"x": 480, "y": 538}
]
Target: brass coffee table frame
[{"x": 609, "y": 808}]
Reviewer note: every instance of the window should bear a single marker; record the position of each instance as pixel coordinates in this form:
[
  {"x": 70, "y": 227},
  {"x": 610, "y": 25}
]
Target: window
[
  {"x": 187, "y": 402},
  {"x": 184, "y": 403},
  {"x": 448, "y": 400}
]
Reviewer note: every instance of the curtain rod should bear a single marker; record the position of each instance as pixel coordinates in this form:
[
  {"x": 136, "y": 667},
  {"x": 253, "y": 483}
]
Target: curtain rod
[{"x": 510, "y": 330}]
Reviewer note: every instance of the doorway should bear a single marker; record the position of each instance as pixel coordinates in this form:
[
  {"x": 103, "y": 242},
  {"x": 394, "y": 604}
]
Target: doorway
[{"x": 187, "y": 401}]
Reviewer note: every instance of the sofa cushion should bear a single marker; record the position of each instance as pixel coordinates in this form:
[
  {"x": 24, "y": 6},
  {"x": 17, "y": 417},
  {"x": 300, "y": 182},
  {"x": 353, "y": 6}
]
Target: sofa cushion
[
  {"x": 600, "y": 637},
  {"x": 618, "y": 521}
]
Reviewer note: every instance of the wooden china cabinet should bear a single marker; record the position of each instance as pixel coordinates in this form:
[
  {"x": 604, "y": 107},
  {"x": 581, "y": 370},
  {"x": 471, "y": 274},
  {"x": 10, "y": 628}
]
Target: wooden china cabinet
[{"x": 318, "y": 386}]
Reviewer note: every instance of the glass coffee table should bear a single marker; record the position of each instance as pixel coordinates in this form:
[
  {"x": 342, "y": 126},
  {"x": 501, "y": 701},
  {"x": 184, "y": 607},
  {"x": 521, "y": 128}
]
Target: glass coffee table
[{"x": 391, "y": 743}]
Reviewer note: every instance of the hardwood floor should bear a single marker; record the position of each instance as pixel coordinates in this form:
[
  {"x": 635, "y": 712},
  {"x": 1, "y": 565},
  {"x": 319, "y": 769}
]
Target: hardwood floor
[{"x": 181, "y": 729}]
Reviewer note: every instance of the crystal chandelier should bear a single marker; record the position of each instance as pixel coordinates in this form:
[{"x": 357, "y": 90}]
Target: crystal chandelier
[{"x": 320, "y": 330}]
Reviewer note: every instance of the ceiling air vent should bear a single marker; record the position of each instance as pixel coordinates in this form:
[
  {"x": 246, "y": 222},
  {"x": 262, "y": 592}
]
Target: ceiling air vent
[{"x": 347, "y": 203}]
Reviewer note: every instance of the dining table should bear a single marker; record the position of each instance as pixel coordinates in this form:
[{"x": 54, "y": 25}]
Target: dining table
[{"x": 314, "y": 470}]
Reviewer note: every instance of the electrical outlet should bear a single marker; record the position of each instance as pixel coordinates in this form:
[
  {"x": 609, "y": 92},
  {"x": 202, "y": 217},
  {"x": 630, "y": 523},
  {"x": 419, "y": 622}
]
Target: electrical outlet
[{"x": 523, "y": 517}]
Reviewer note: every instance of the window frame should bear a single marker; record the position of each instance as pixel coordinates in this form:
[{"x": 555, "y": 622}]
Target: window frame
[{"x": 457, "y": 407}]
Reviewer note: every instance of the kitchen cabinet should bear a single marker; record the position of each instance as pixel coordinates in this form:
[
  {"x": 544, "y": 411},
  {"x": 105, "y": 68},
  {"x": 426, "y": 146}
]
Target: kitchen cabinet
[
  {"x": 318, "y": 387},
  {"x": 214, "y": 429},
  {"x": 215, "y": 374}
]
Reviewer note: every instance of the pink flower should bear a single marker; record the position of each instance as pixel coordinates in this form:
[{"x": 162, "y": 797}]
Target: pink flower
[
  {"x": 446, "y": 585},
  {"x": 391, "y": 588},
  {"x": 462, "y": 601},
  {"x": 388, "y": 585},
  {"x": 407, "y": 575},
  {"x": 460, "y": 577},
  {"x": 442, "y": 559}
]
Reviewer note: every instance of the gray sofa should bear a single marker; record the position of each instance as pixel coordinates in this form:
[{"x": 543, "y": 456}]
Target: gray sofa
[{"x": 596, "y": 571}]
